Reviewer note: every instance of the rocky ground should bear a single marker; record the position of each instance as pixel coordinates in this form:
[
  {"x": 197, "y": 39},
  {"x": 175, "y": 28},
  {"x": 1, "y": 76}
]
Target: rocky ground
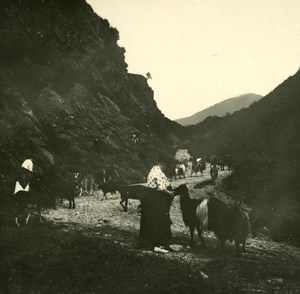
[{"x": 95, "y": 249}]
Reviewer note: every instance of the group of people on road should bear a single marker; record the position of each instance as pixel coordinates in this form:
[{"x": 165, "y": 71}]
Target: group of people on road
[{"x": 155, "y": 222}]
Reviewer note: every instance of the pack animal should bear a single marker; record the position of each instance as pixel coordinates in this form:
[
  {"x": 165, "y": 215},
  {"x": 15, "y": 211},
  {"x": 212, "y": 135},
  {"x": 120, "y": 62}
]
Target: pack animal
[
  {"x": 189, "y": 208},
  {"x": 87, "y": 184},
  {"x": 132, "y": 192},
  {"x": 66, "y": 189},
  {"x": 179, "y": 171},
  {"x": 227, "y": 223},
  {"x": 197, "y": 167},
  {"x": 109, "y": 187}
]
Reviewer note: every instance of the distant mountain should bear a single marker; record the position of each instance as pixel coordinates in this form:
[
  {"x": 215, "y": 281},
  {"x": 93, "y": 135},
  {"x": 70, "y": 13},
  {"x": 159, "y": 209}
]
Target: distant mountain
[
  {"x": 262, "y": 143},
  {"x": 220, "y": 109}
]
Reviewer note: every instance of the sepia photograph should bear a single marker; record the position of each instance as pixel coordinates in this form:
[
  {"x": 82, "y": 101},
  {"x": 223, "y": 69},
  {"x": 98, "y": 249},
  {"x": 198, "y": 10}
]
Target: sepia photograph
[{"x": 149, "y": 146}]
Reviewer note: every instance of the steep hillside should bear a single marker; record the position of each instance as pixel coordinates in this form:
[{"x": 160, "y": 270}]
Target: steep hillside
[
  {"x": 67, "y": 99},
  {"x": 225, "y": 107},
  {"x": 263, "y": 142}
]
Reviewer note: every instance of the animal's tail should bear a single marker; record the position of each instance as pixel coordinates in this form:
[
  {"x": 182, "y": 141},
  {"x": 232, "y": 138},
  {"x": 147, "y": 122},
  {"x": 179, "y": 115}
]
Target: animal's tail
[{"x": 202, "y": 213}]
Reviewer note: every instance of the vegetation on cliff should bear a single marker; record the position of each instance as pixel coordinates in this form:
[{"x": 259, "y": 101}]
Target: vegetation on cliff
[{"x": 67, "y": 99}]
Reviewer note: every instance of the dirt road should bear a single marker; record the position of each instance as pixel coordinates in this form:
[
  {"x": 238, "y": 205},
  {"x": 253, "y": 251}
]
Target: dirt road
[{"x": 95, "y": 249}]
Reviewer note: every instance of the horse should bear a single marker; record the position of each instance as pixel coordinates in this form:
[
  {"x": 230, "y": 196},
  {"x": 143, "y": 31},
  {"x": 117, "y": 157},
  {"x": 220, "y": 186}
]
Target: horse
[
  {"x": 227, "y": 223},
  {"x": 179, "y": 171},
  {"x": 26, "y": 195},
  {"x": 214, "y": 173}
]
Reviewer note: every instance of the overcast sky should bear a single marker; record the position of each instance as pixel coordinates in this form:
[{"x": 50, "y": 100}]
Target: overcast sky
[{"x": 200, "y": 52}]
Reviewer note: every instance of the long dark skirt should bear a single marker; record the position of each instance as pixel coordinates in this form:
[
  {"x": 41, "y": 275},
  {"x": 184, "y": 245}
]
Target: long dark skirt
[{"x": 155, "y": 224}]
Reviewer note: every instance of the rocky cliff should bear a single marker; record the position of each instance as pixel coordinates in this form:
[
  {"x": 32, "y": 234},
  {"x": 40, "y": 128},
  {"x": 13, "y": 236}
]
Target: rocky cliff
[{"x": 67, "y": 99}]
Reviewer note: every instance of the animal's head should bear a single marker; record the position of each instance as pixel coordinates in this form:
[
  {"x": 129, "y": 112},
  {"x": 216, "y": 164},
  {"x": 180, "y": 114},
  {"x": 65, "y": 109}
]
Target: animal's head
[{"x": 181, "y": 190}]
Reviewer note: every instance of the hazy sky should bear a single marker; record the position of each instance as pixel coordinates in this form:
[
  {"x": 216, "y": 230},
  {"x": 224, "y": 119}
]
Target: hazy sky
[{"x": 200, "y": 52}]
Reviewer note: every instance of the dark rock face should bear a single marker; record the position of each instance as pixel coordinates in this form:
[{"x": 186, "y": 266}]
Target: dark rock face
[{"x": 67, "y": 99}]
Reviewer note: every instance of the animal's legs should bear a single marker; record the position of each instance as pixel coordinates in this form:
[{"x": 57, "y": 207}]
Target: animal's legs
[
  {"x": 121, "y": 203},
  {"x": 17, "y": 220},
  {"x": 16, "y": 210},
  {"x": 38, "y": 208},
  {"x": 237, "y": 249},
  {"x": 192, "y": 228},
  {"x": 200, "y": 236},
  {"x": 104, "y": 195},
  {"x": 222, "y": 245},
  {"x": 71, "y": 203},
  {"x": 27, "y": 218},
  {"x": 244, "y": 246},
  {"x": 54, "y": 203}
]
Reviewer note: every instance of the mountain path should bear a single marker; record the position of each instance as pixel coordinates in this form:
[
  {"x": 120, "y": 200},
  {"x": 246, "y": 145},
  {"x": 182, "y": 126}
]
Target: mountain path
[{"x": 267, "y": 267}]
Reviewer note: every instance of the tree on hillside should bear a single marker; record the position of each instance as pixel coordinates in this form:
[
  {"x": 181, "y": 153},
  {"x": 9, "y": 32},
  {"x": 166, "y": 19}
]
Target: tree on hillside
[{"x": 148, "y": 76}]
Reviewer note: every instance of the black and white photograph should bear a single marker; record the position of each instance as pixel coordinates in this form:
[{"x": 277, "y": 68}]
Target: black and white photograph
[{"x": 149, "y": 146}]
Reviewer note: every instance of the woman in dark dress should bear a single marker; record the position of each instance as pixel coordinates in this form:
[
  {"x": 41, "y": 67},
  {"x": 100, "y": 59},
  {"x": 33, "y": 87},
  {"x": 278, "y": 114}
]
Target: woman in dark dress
[{"x": 155, "y": 225}]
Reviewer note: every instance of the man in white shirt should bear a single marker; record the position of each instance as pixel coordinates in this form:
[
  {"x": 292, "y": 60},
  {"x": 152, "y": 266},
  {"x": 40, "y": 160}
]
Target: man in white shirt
[{"x": 27, "y": 165}]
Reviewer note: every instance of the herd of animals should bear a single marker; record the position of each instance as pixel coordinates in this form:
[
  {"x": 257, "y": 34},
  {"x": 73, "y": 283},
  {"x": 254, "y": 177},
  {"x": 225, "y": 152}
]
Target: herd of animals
[{"x": 227, "y": 222}]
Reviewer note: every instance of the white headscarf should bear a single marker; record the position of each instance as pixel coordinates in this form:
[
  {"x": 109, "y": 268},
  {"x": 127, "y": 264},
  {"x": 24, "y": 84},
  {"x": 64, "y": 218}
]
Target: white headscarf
[
  {"x": 28, "y": 164},
  {"x": 157, "y": 179}
]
